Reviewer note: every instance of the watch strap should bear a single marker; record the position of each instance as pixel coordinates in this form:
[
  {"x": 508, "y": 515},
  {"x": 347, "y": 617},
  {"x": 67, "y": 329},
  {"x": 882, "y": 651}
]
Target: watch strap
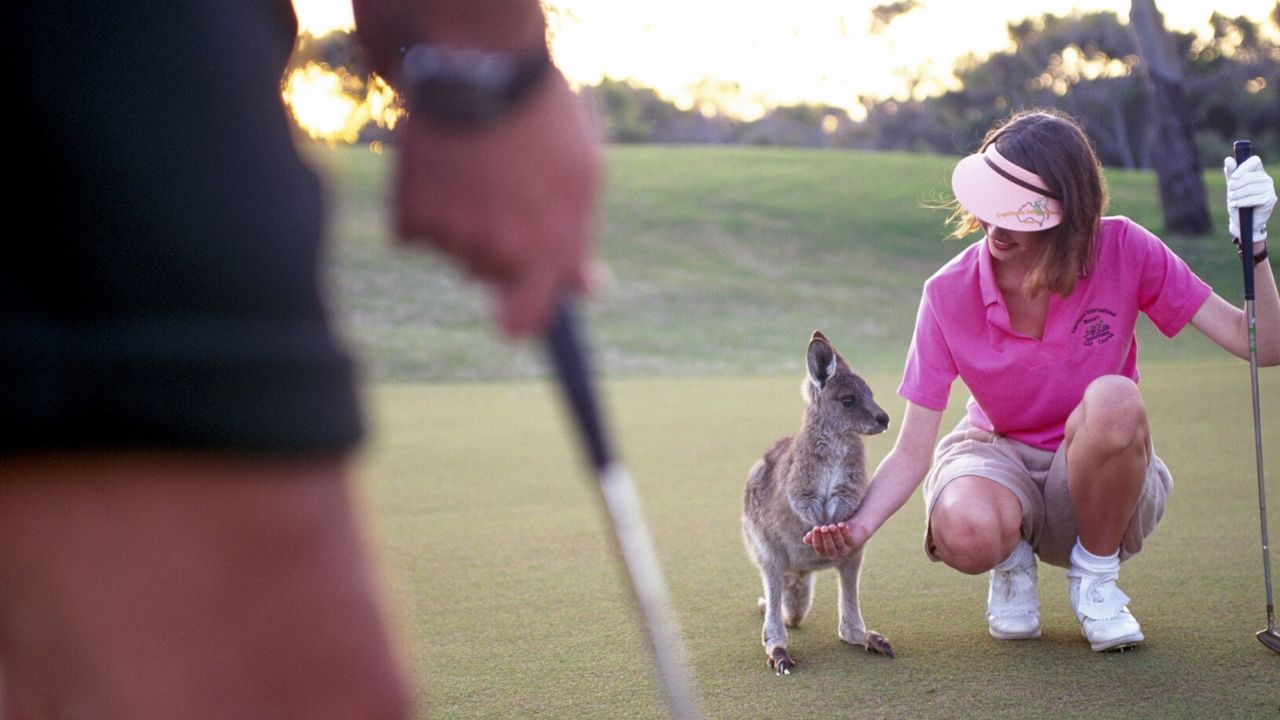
[{"x": 1257, "y": 257}]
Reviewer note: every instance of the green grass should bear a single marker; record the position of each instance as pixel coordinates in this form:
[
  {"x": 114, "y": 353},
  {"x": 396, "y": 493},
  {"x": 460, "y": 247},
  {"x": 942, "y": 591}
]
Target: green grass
[
  {"x": 507, "y": 596},
  {"x": 512, "y": 606},
  {"x": 725, "y": 258}
]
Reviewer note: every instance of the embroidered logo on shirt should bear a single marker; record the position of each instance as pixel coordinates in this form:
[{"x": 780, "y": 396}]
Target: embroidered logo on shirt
[{"x": 1096, "y": 329}]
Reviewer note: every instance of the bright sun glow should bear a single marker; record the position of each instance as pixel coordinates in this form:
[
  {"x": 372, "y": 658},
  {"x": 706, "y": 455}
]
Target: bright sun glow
[
  {"x": 332, "y": 106},
  {"x": 320, "y": 17},
  {"x": 314, "y": 94},
  {"x": 740, "y": 58},
  {"x": 751, "y": 54}
]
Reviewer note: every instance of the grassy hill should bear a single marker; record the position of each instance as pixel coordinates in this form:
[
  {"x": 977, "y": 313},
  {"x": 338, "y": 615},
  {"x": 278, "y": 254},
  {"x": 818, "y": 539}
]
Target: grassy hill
[{"x": 724, "y": 259}]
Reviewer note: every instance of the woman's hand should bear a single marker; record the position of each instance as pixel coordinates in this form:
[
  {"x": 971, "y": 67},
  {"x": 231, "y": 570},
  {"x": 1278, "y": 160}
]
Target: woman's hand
[
  {"x": 836, "y": 541},
  {"x": 1249, "y": 186}
]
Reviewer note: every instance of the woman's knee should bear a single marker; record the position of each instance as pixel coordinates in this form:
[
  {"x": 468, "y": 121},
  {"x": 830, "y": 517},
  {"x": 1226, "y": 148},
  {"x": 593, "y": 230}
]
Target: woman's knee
[
  {"x": 1111, "y": 417},
  {"x": 975, "y": 525}
]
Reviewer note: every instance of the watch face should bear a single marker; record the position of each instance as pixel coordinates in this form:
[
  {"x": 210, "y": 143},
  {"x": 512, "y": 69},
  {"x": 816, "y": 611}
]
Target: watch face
[
  {"x": 467, "y": 87},
  {"x": 474, "y": 67}
]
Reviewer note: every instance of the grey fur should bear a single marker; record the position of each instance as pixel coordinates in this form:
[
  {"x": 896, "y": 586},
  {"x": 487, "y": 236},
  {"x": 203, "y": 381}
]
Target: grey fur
[{"x": 817, "y": 477}]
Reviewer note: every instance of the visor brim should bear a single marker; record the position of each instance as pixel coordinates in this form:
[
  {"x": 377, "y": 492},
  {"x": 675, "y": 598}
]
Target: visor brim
[{"x": 996, "y": 200}]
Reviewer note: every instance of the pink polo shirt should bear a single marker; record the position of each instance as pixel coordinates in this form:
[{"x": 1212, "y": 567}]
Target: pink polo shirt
[{"x": 1023, "y": 387}]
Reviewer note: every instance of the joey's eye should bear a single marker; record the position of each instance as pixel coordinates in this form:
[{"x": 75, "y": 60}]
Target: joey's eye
[{"x": 849, "y": 401}]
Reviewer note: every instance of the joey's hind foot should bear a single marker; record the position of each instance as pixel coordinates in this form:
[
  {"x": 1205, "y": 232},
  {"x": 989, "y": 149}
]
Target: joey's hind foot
[
  {"x": 780, "y": 662},
  {"x": 876, "y": 643},
  {"x": 871, "y": 640}
]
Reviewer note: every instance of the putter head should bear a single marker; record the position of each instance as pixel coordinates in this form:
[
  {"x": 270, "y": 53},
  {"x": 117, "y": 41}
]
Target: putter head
[{"x": 1270, "y": 638}]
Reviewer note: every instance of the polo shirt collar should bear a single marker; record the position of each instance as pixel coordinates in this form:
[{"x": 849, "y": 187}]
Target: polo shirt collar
[{"x": 987, "y": 275}]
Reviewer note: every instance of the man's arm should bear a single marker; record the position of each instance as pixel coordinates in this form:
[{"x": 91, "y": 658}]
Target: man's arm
[{"x": 513, "y": 201}]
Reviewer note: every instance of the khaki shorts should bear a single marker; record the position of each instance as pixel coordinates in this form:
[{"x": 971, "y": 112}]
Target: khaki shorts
[{"x": 1039, "y": 480}]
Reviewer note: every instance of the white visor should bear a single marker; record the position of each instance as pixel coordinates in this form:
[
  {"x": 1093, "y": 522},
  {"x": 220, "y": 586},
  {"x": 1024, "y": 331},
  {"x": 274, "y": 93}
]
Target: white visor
[{"x": 1001, "y": 193}]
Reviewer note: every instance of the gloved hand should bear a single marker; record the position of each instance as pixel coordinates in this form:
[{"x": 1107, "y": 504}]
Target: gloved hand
[{"x": 1249, "y": 186}]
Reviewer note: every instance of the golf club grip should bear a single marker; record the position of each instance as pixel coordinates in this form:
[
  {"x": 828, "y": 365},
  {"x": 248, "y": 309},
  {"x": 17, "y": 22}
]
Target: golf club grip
[
  {"x": 570, "y": 360},
  {"x": 1243, "y": 149}
]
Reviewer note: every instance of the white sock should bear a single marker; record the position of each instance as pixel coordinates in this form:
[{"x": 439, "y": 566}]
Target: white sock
[
  {"x": 1095, "y": 564},
  {"x": 1020, "y": 557}
]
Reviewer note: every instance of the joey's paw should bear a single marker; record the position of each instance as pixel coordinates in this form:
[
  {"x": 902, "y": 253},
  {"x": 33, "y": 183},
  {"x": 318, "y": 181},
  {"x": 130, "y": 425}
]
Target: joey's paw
[
  {"x": 780, "y": 662},
  {"x": 876, "y": 643},
  {"x": 840, "y": 508}
]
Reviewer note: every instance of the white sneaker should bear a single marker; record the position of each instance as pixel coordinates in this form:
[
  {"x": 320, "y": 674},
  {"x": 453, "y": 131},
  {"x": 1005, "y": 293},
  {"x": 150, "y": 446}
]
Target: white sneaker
[
  {"x": 1100, "y": 607},
  {"x": 1013, "y": 607}
]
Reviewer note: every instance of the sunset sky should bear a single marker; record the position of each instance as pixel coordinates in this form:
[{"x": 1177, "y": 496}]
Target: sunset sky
[{"x": 776, "y": 52}]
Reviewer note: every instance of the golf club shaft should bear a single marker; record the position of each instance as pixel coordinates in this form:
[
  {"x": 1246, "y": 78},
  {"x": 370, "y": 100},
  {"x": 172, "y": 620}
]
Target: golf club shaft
[
  {"x": 1243, "y": 149},
  {"x": 626, "y": 519},
  {"x": 1257, "y": 445}
]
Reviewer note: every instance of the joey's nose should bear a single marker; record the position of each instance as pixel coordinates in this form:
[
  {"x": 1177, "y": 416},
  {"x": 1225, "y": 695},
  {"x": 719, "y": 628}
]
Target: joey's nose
[{"x": 883, "y": 419}]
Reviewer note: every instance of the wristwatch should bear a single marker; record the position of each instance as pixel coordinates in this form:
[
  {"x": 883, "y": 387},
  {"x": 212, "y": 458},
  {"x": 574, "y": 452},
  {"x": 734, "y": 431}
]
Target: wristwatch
[
  {"x": 468, "y": 88},
  {"x": 1257, "y": 257}
]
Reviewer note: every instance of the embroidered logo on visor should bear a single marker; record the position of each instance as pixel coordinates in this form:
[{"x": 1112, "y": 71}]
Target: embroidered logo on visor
[{"x": 1036, "y": 212}]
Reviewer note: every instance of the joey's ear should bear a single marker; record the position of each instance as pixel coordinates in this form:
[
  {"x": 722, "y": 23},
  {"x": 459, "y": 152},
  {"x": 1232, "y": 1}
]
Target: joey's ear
[
  {"x": 821, "y": 361},
  {"x": 817, "y": 335}
]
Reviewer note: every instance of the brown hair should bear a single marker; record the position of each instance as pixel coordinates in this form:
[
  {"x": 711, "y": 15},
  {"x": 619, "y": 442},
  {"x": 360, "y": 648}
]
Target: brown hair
[{"x": 1052, "y": 145}]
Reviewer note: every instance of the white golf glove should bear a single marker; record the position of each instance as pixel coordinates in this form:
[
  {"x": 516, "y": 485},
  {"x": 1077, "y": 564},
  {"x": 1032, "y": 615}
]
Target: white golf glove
[{"x": 1249, "y": 186}]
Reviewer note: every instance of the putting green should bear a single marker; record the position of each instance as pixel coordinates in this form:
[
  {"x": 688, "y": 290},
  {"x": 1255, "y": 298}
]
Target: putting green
[{"x": 510, "y": 604}]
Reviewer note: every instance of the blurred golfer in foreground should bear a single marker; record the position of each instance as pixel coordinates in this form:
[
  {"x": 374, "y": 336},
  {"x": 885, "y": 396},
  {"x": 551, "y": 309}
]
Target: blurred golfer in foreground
[{"x": 177, "y": 530}]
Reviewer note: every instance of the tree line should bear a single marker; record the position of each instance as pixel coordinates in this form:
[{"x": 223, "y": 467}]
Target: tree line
[
  {"x": 1147, "y": 98},
  {"x": 1085, "y": 64}
]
